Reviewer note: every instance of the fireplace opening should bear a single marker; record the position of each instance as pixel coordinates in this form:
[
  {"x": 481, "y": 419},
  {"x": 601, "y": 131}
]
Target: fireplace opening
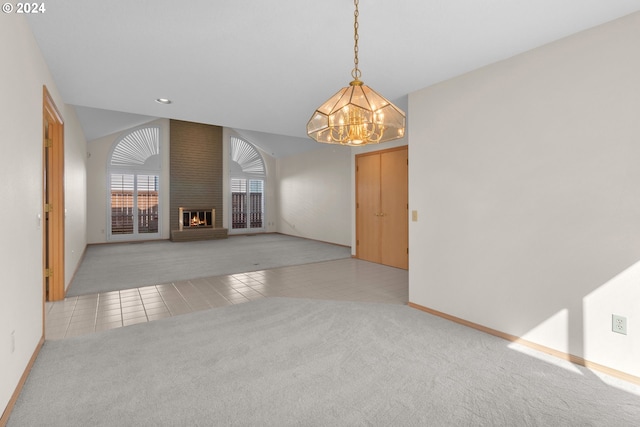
[{"x": 192, "y": 218}]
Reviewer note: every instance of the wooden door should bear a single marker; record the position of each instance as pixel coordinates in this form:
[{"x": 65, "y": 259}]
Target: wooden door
[
  {"x": 394, "y": 208},
  {"x": 53, "y": 200},
  {"x": 368, "y": 208},
  {"x": 382, "y": 223}
]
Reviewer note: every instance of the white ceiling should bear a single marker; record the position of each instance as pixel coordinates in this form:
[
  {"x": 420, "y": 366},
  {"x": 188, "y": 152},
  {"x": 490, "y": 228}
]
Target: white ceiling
[{"x": 264, "y": 66}]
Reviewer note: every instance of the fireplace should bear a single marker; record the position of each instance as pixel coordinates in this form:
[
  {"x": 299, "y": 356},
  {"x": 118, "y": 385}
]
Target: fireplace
[
  {"x": 197, "y": 224},
  {"x": 196, "y": 218}
]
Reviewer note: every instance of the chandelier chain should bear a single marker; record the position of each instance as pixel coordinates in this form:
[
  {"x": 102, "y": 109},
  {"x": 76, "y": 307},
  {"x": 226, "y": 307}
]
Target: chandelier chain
[{"x": 356, "y": 71}]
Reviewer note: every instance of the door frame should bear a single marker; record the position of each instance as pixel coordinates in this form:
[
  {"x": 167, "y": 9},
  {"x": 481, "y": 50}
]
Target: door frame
[{"x": 53, "y": 206}]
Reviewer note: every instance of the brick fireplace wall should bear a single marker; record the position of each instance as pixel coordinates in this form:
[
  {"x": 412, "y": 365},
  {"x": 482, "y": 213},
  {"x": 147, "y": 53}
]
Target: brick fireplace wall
[{"x": 196, "y": 171}]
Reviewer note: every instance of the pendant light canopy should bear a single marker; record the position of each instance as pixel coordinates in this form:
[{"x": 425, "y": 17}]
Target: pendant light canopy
[{"x": 356, "y": 115}]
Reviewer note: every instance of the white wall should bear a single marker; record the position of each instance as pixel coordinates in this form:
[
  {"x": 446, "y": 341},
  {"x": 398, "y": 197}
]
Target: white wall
[
  {"x": 75, "y": 187},
  {"x": 98, "y": 152},
  {"x": 525, "y": 175},
  {"x": 22, "y": 76},
  {"x": 314, "y": 194}
]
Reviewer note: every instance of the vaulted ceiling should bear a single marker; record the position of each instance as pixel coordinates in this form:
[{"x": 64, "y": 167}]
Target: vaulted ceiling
[{"x": 262, "y": 67}]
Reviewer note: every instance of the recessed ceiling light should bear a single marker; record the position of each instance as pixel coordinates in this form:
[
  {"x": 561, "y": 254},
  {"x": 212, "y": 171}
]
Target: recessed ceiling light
[{"x": 163, "y": 101}]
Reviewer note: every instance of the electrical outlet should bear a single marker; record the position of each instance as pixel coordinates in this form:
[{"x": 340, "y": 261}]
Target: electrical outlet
[{"x": 619, "y": 324}]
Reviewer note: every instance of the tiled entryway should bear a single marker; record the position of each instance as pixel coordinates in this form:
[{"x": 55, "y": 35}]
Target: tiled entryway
[{"x": 345, "y": 279}]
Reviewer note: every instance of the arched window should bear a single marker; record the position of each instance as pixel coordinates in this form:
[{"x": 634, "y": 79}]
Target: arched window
[
  {"x": 247, "y": 179},
  {"x": 134, "y": 175}
]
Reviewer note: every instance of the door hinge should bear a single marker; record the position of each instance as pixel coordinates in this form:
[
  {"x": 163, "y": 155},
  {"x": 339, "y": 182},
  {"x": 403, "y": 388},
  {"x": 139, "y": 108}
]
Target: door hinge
[
  {"x": 357, "y": 205},
  {"x": 357, "y": 242},
  {"x": 48, "y": 143},
  {"x": 48, "y": 272},
  {"x": 407, "y": 251},
  {"x": 48, "y": 207}
]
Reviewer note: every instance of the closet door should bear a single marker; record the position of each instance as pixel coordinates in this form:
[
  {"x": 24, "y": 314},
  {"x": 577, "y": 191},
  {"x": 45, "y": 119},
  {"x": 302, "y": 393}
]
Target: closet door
[
  {"x": 394, "y": 208},
  {"x": 382, "y": 223},
  {"x": 368, "y": 208}
]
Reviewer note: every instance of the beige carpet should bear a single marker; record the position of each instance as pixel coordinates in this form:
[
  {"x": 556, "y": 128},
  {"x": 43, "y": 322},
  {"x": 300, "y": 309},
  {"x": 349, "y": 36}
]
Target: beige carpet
[
  {"x": 120, "y": 266},
  {"x": 303, "y": 362}
]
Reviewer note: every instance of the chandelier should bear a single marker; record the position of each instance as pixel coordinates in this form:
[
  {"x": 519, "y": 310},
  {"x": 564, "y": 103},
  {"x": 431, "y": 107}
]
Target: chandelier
[{"x": 356, "y": 115}]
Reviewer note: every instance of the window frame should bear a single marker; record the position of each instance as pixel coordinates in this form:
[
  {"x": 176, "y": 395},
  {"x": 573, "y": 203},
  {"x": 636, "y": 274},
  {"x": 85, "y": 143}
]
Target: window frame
[
  {"x": 247, "y": 163},
  {"x": 137, "y": 167}
]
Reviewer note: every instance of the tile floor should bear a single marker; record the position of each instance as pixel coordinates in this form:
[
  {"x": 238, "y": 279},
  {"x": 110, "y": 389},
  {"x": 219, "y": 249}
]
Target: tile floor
[{"x": 346, "y": 279}]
